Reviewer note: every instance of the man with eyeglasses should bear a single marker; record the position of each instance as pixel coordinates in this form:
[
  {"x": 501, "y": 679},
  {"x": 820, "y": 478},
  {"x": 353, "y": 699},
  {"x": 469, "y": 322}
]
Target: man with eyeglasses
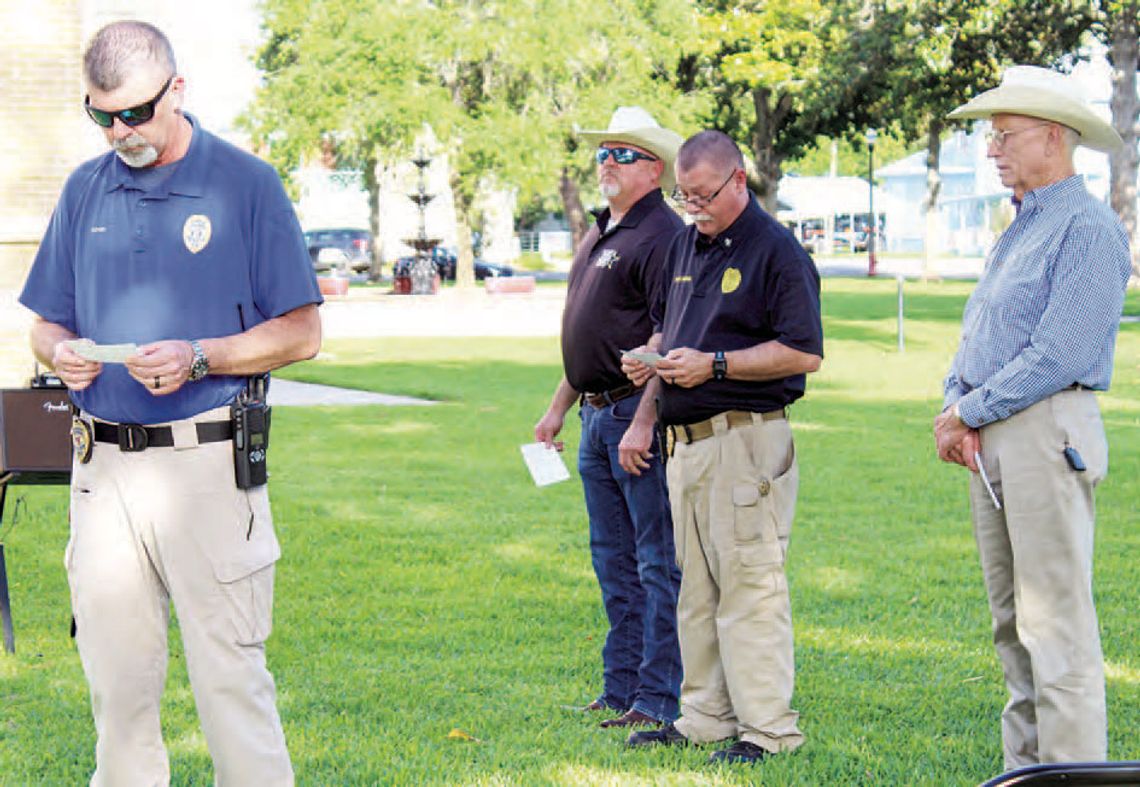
[
  {"x": 1038, "y": 337},
  {"x": 739, "y": 326},
  {"x": 617, "y": 273},
  {"x": 185, "y": 255}
]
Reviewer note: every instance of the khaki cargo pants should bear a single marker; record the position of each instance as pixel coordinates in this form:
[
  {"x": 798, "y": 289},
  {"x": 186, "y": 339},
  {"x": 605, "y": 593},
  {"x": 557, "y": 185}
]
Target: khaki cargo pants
[
  {"x": 733, "y": 497},
  {"x": 162, "y": 525}
]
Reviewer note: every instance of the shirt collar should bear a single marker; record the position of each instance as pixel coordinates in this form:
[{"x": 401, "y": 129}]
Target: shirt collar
[
  {"x": 187, "y": 179},
  {"x": 740, "y": 228},
  {"x": 640, "y": 209},
  {"x": 1051, "y": 194}
]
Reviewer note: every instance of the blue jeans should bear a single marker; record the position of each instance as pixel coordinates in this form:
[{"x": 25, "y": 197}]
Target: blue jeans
[{"x": 631, "y": 545}]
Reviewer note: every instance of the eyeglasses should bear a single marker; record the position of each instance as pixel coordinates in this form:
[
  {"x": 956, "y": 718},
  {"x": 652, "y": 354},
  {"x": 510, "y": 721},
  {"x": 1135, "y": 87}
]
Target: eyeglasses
[
  {"x": 131, "y": 116},
  {"x": 997, "y": 138},
  {"x": 621, "y": 155},
  {"x": 697, "y": 201}
]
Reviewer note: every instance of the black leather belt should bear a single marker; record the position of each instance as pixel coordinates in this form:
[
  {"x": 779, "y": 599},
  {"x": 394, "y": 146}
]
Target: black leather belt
[
  {"x": 136, "y": 437},
  {"x": 600, "y": 400}
]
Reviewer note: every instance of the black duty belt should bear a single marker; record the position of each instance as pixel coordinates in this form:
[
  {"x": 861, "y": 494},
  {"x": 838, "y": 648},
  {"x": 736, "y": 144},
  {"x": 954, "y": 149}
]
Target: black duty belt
[
  {"x": 136, "y": 437},
  {"x": 600, "y": 400},
  {"x": 691, "y": 433}
]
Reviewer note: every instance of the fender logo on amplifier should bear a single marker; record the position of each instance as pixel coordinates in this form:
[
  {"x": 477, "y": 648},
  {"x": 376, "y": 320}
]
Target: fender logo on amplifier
[{"x": 35, "y": 431}]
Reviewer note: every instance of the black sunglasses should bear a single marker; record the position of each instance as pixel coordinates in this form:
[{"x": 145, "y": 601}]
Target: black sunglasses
[
  {"x": 131, "y": 116},
  {"x": 621, "y": 155}
]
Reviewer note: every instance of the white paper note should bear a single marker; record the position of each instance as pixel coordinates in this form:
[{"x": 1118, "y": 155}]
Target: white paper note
[
  {"x": 647, "y": 358},
  {"x": 545, "y": 464},
  {"x": 986, "y": 479},
  {"x": 104, "y": 353}
]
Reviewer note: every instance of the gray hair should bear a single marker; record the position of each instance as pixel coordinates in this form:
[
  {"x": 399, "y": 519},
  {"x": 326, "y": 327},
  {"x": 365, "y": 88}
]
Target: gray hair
[
  {"x": 120, "y": 46},
  {"x": 711, "y": 147}
]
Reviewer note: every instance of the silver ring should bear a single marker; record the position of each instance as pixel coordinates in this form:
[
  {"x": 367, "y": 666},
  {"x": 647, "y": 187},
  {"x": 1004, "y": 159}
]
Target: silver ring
[{"x": 157, "y": 383}]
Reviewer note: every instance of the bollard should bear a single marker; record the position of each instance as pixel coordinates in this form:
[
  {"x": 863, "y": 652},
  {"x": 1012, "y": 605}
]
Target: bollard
[{"x": 902, "y": 341}]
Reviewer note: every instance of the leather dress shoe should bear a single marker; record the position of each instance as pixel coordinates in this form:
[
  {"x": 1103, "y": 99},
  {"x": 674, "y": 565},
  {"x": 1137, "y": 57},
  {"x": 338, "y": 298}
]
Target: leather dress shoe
[
  {"x": 740, "y": 752},
  {"x": 668, "y": 735},
  {"x": 632, "y": 718},
  {"x": 596, "y": 705}
]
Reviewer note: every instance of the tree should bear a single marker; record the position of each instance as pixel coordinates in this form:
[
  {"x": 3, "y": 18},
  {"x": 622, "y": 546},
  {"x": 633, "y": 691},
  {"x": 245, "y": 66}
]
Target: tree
[
  {"x": 779, "y": 75},
  {"x": 943, "y": 52},
  {"x": 502, "y": 85},
  {"x": 1118, "y": 30}
]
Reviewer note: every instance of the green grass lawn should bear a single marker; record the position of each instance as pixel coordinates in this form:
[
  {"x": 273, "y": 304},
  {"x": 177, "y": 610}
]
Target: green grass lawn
[{"x": 427, "y": 585}]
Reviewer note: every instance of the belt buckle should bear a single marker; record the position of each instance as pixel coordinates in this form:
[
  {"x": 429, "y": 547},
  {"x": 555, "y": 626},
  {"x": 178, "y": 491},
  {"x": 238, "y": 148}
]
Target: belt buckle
[{"x": 132, "y": 438}]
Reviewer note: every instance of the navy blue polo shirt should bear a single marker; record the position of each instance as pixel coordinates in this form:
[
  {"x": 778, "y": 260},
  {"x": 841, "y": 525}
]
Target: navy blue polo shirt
[
  {"x": 753, "y": 283},
  {"x": 212, "y": 249},
  {"x": 615, "y": 279}
]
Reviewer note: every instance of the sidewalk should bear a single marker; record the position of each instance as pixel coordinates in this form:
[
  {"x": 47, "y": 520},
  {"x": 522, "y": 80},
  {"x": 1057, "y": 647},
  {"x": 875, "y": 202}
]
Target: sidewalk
[{"x": 373, "y": 312}]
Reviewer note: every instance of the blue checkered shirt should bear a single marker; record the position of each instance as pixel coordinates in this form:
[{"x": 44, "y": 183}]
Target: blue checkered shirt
[{"x": 1047, "y": 308}]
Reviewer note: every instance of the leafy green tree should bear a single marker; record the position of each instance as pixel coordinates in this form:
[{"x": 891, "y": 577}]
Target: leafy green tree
[
  {"x": 501, "y": 84},
  {"x": 943, "y": 52},
  {"x": 779, "y": 75}
]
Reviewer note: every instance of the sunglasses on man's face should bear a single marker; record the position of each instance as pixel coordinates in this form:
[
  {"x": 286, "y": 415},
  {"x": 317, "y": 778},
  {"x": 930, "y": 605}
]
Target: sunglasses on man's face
[
  {"x": 621, "y": 155},
  {"x": 131, "y": 116}
]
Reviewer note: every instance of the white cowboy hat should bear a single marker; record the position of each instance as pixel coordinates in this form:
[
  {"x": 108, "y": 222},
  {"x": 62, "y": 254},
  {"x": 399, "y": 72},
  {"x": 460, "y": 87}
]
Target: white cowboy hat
[
  {"x": 1046, "y": 94},
  {"x": 635, "y": 126}
]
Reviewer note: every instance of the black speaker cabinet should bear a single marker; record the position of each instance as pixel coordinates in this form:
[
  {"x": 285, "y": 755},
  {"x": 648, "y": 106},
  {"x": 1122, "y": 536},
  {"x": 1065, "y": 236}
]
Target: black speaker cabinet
[{"x": 35, "y": 434}]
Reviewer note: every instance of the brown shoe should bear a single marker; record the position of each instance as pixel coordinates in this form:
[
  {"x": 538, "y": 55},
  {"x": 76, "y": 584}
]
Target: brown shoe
[
  {"x": 632, "y": 718},
  {"x": 596, "y": 705}
]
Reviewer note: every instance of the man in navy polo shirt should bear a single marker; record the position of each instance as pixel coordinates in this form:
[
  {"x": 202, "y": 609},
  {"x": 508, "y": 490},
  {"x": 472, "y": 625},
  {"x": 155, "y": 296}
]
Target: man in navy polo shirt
[
  {"x": 740, "y": 329},
  {"x": 187, "y": 247},
  {"x": 616, "y": 275}
]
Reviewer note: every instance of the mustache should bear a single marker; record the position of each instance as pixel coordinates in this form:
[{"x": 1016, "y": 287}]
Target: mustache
[{"x": 135, "y": 140}]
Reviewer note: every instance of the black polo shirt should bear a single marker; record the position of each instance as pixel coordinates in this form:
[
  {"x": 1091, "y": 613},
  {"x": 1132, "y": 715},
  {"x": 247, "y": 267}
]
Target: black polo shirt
[
  {"x": 751, "y": 284},
  {"x": 615, "y": 279}
]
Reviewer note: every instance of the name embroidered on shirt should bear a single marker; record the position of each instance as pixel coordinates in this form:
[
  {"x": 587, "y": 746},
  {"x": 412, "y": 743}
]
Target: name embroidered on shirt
[
  {"x": 607, "y": 259},
  {"x": 98, "y": 229},
  {"x": 681, "y": 279}
]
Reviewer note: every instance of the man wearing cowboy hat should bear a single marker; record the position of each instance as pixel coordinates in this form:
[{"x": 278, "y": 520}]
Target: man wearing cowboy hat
[
  {"x": 615, "y": 277},
  {"x": 1037, "y": 340}
]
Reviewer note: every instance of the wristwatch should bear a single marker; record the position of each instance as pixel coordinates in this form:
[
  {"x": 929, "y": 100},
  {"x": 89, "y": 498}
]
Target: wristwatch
[
  {"x": 200, "y": 365},
  {"x": 720, "y": 366}
]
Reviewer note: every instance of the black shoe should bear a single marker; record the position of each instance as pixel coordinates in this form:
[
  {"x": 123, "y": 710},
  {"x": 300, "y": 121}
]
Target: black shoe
[
  {"x": 741, "y": 751},
  {"x": 666, "y": 736}
]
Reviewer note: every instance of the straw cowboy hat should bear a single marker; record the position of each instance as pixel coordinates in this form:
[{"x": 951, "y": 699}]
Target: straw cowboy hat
[
  {"x": 1042, "y": 93},
  {"x": 635, "y": 126}
]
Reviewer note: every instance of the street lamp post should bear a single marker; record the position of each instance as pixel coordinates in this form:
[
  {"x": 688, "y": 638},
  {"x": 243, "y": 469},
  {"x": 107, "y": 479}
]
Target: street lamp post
[{"x": 872, "y": 225}]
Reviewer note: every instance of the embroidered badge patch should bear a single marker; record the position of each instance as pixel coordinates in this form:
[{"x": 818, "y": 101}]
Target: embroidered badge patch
[
  {"x": 81, "y": 439},
  {"x": 196, "y": 232},
  {"x": 607, "y": 259},
  {"x": 730, "y": 281}
]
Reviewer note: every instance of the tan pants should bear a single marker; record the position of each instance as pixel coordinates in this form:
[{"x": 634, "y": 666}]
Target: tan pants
[
  {"x": 1036, "y": 556},
  {"x": 162, "y": 525},
  {"x": 733, "y": 497}
]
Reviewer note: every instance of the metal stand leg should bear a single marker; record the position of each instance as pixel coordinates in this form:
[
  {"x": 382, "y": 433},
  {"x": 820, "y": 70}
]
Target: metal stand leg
[{"x": 5, "y": 604}]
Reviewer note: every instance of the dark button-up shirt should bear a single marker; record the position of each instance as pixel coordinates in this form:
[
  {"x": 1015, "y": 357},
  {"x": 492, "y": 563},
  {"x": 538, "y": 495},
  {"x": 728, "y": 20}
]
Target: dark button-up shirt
[
  {"x": 615, "y": 278},
  {"x": 753, "y": 283}
]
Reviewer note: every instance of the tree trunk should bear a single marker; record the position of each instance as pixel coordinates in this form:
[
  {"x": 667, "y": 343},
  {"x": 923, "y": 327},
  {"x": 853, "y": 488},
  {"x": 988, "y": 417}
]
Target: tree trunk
[
  {"x": 372, "y": 186},
  {"x": 930, "y": 203},
  {"x": 572, "y": 207},
  {"x": 465, "y": 256},
  {"x": 1123, "y": 162},
  {"x": 768, "y": 162}
]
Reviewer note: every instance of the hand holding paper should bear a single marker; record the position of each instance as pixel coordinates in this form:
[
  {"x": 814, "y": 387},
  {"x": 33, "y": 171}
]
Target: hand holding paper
[{"x": 545, "y": 464}]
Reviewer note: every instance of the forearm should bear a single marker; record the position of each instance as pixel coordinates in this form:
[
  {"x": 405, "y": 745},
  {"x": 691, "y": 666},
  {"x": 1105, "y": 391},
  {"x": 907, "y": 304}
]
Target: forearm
[
  {"x": 647, "y": 408},
  {"x": 563, "y": 399},
  {"x": 294, "y": 336},
  {"x": 769, "y": 360},
  {"x": 44, "y": 338}
]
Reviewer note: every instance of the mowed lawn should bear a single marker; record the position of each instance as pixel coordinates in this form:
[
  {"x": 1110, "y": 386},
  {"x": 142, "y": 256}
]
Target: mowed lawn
[{"x": 428, "y": 587}]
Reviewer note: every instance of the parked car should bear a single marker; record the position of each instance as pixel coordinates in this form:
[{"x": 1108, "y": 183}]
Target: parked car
[
  {"x": 355, "y": 243},
  {"x": 445, "y": 263}
]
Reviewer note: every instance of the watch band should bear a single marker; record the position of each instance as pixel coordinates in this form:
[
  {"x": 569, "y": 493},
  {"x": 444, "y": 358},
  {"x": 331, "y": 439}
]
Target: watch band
[
  {"x": 200, "y": 365},
  {"x": 720, "y": 365}
]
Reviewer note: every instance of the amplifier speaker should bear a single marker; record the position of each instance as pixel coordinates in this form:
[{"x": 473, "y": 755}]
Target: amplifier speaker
[{"x": 35, "y": 430}]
